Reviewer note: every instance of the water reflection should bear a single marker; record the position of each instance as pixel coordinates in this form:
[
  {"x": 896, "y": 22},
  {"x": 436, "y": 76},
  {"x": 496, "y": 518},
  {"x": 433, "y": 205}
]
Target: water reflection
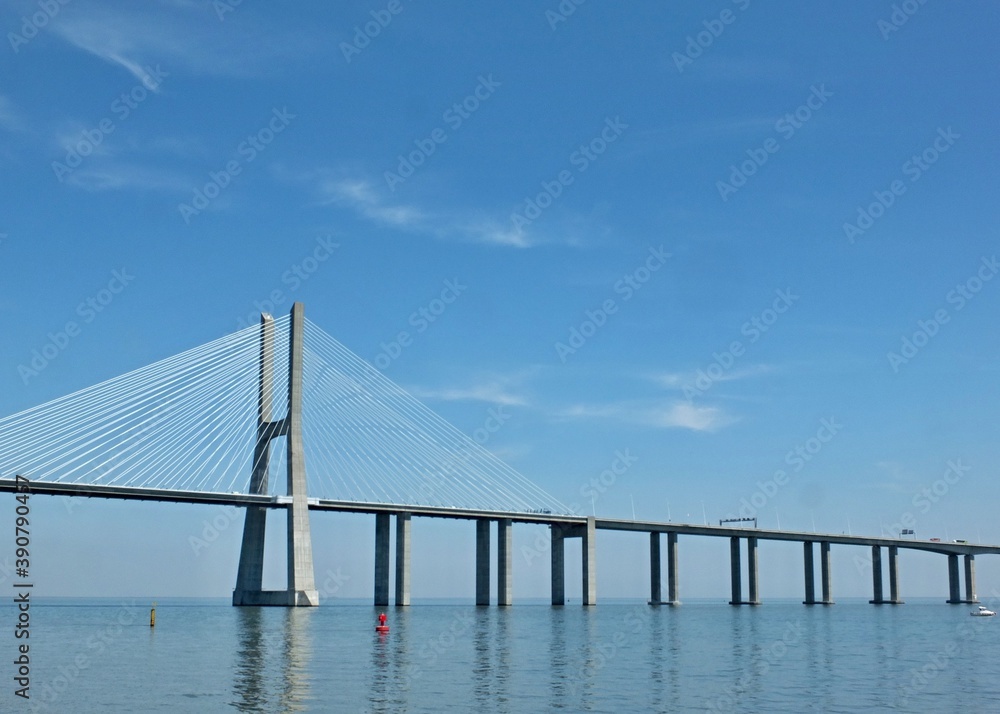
[
  {"x": 481, "y": 638},
  {"x": 272, "y": 659},
  {"x": 558, "y": 670}
]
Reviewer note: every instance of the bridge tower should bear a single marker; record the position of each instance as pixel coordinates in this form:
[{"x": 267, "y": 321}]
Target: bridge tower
[{"x": 301, "y": 580}]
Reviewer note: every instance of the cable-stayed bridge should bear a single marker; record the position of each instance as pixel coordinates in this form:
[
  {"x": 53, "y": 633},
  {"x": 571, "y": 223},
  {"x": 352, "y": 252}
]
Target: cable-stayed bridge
[{"x": 282, "y": 416}]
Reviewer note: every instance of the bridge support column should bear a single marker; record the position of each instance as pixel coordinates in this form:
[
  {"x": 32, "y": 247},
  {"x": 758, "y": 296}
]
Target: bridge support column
[
  {"x": 894, "y": 576},
  {"x": 876, "y": 576},
  {"x": 483, "y": 562},
  {"x": 301, "y": 589},
  {"x": 672, "y": 570},
  {"x": 402, "y": 559},
  {"x": 734, "y": 571},
  {"x": 807, "y": 560},
  {"x": 505, "y": 589},
  {"x": 824, "y": 558},
  {"x": 654, "y": 568},
  {"x": 954, "y": 588},
  {"x": 381, "y": 559},
  {"x": 954, "y": 583},
  {"x": 589, "y": 555},
  {"x": 754, "y": 595},
  {"x": 558, "y": 553},
  {"x": 970, "y": 579}
]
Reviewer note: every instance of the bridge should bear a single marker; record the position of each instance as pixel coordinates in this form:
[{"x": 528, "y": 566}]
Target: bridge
[{"x": 217, "y": 424}]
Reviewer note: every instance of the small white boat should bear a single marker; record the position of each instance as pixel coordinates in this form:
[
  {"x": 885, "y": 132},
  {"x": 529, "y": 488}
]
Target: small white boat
[{"x": 982, "y": 612}]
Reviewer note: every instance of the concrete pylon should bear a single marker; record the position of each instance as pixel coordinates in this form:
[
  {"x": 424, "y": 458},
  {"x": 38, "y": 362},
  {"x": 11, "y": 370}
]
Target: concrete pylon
[{"x": 301, "y": 589}]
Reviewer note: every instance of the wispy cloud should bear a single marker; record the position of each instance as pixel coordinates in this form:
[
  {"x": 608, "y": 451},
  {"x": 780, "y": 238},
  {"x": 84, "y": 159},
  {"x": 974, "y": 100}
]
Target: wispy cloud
[
  {"x": 503, "y": 389},
  {"x": 10, "y": 117},
  {"x": 114, "y": 176},
  {"x": 493, "y": 393},
  {"x": 670, "y": 415},
  {"x": 178, "y": 34},
  {"x": 680, "y": 380},
  {"x": 360, "y": 195}
]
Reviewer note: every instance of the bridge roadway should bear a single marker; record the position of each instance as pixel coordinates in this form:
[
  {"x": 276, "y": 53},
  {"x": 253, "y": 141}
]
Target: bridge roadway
[{"x": 563, "y": 526}]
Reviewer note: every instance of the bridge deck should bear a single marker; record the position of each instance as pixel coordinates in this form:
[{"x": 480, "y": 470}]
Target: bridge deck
[{"x": 243, "y": 499}]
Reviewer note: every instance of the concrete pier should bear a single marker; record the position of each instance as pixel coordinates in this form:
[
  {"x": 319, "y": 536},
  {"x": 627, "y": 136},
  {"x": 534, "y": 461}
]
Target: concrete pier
[
  {"x": 402, "y": 559},
  {"x": 654, "y": 569},
  {"x": 557, "y": 549},
  {"x": 250, "y": 575},
  {"x": 589, "y": 548},
  {"x": 483, "y": 562},
  {"x": 587, "y": 532},
  {"x": 876, "y": 576},
  {"x": 672, "y": 576},
  {"x": 894, "y": 598},
  {"x": 301, "y": 589},
  {"x": 736, "y": 586},
  {"x": 955, "y": 585},
  {"x": 807, "y": 561},
  {"x": 754, "y": 594},
  {"x": 505, "y": 582},
  {"x": 824, "y": 555},
  {"x": 970, "y": 579},
  {"x": 735, "y": 568},
  {"x": 301, "y": 576},
  {"x": 381, "y": 559}
]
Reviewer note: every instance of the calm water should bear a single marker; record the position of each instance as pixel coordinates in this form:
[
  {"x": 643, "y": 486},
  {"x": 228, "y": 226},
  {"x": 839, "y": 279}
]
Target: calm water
[{"x": 205, "y": 656}]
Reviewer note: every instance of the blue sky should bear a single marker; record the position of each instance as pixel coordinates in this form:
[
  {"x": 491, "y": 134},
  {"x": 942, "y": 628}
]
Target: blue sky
[{"x": 753, "y": 245}]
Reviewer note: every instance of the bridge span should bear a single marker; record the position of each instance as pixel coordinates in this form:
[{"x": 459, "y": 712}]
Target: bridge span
[
  {"x": 184, "y": 429},
  {"x": 569, "y": 526}
]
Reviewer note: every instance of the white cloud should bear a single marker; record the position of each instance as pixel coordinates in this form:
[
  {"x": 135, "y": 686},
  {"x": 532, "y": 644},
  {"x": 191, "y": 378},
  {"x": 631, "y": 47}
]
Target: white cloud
[
  {"x": 364, "y": 198},
  {"x": 680, "y": 380},
  {"x": 493, "y": 393},
  {"x": 114, "y": 176},
  {"x": 178, "y": 34},
  {"x": 10, "y": 118},
  {"x": 672, "y": 415}
]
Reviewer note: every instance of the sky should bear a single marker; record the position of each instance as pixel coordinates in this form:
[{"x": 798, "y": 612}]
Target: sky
[{"x": 706, "y": 259}]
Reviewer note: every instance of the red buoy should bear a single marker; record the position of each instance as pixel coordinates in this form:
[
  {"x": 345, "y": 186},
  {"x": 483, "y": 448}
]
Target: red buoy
[{"x": 381, "y": 627}]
